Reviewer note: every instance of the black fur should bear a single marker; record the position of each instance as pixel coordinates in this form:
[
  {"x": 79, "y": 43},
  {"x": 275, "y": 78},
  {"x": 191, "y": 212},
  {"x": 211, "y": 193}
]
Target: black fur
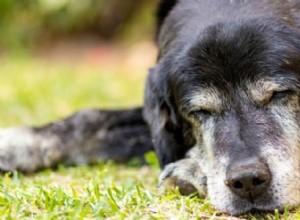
[
  {"x": 226, "y": 50},
  {"x": 163, "y": 9},
  {"x": 125, "y": 133},
  {"x": 227, "y": 46}
]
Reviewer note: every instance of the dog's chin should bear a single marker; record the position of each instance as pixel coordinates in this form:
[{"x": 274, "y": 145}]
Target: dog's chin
[
  {"x": 240, "y": 206},
  {"x": 229, "y": 203}
]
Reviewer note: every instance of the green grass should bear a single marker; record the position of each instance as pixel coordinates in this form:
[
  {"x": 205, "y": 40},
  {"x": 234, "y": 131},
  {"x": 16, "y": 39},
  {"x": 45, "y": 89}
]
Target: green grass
[{"x": 35, "y": 91}]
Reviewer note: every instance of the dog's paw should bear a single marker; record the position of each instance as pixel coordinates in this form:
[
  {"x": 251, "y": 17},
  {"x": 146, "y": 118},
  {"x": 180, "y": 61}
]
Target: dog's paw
[
  {"x": 21, "y": 149},
  {"x": 185, "y": 174},
  {"x": 13, "y": 148}
]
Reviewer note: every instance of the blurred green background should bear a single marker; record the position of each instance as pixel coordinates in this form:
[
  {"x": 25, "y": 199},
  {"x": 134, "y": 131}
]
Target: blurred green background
[
  {"x": 59, "y": 56},
  {"x": 31, "y": 23}
]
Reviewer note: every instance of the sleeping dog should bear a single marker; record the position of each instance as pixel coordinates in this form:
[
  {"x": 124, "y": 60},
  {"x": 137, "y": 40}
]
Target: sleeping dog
[{"x": 221, "y": 109}]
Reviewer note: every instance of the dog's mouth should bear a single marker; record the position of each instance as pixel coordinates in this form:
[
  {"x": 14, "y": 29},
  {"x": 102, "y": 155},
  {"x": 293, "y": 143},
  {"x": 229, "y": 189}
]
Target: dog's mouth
[
  {"x": 263, "y": 205},
  {"x": 265, "y": 210}
]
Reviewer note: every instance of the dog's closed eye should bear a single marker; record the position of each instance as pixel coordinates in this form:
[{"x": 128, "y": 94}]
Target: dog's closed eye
[
  {"x": 270, "y": 92},
  {"x": 280, "y": 95},
  {"x": 203, "y": 114},
  {"x": 203, "y": 104}
]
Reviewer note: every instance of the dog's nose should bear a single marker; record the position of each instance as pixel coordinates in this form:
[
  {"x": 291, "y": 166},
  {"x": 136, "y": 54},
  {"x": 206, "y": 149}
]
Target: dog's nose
[{"x": 248, "y": 179}]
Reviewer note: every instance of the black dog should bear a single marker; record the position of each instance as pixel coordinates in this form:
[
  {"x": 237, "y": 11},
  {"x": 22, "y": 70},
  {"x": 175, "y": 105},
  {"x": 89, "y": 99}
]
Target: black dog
[{"x": 222, "y": 105}]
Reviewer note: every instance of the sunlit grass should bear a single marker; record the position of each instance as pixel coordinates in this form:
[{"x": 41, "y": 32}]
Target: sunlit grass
[{"x": 34, "y": 91}]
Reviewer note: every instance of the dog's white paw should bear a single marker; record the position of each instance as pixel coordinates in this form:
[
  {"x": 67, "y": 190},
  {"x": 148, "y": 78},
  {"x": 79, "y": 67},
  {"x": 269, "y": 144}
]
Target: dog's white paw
[
  {"x": 14, "y": 151},
  {"x": 22, "y": 149},
  {"x": 185, "y": 174}
]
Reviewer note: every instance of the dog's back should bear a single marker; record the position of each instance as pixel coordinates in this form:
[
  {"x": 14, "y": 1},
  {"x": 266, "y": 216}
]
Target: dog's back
[{"x": 190, "y": 17}]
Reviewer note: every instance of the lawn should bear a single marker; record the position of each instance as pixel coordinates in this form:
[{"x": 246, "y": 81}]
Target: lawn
[{"x": 36, "y": 91}]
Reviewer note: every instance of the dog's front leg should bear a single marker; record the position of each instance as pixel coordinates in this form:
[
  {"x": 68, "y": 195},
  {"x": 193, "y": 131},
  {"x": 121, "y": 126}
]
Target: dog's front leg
[
  {"x": 187, "y": 175},
  {"x": 85, "y": 137}
]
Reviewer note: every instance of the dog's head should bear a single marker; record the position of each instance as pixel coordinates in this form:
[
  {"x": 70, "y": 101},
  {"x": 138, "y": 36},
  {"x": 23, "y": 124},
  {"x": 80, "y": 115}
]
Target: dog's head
[{"x": 231, "y": 88}]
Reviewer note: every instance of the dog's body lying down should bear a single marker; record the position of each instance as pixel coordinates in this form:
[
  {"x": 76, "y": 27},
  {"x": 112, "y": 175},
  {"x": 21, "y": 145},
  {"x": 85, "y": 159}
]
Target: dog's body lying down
[{"x": 222, "y": 105}]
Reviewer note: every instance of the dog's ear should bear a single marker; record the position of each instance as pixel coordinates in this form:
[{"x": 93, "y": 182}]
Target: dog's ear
[
  {"x": 164, "y": 8},
  {"x": 163, "y": 119}
]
